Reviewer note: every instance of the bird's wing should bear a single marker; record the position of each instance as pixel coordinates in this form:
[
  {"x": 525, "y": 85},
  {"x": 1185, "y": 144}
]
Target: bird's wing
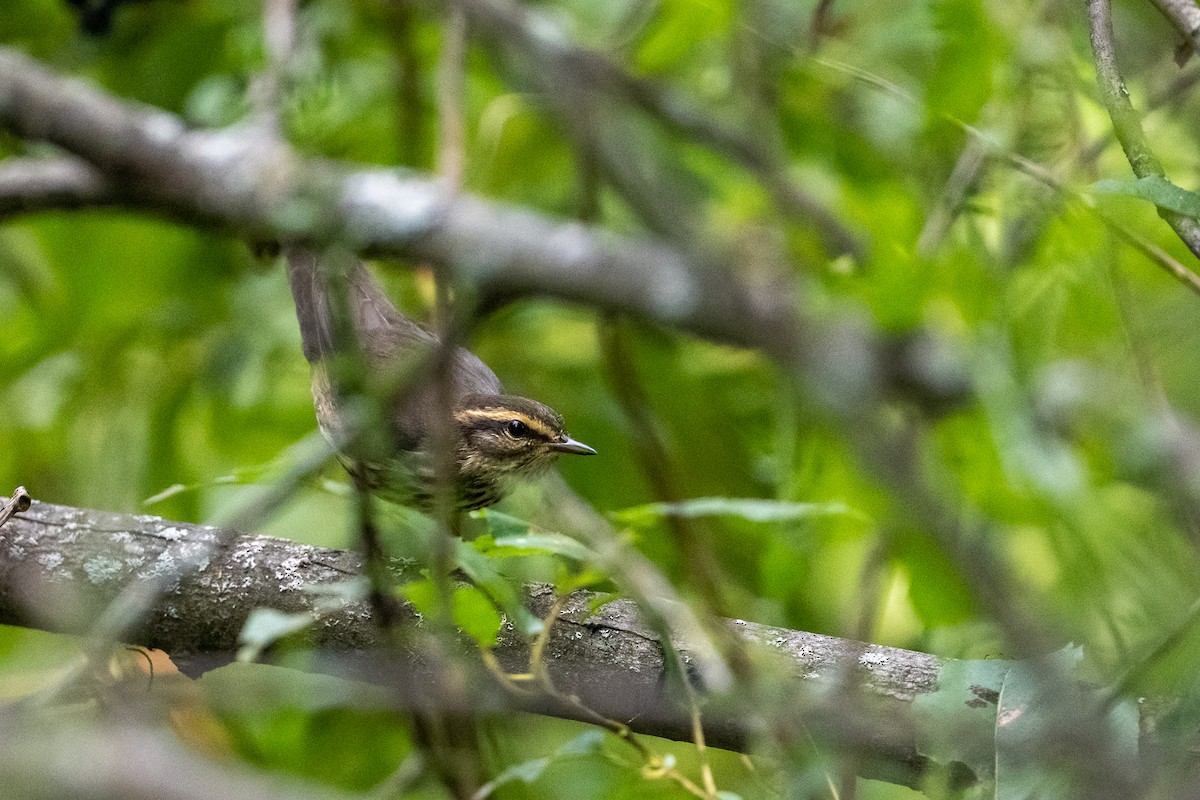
[{"x": 384, "y": 334}]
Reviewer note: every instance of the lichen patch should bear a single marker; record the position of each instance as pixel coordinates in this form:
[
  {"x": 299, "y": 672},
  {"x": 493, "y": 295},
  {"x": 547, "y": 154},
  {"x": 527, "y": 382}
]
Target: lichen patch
[{"x": 102, "y": 569}]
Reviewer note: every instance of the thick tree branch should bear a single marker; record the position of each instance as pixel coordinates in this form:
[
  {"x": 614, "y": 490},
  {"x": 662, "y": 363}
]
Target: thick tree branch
[
  {"x": 240, "y": 181},
  {"x": 59, "y": 565}
]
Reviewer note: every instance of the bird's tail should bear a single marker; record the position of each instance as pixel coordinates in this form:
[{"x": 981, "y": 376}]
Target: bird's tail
[
  {"x": 311, "y": 294},
  {"x": 318, "y": 284}
]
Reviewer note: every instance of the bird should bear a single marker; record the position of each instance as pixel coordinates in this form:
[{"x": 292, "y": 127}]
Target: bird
[{"x": 498, "y": 439}]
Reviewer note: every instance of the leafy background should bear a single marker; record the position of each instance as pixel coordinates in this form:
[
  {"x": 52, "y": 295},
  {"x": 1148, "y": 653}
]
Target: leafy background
[{"x": 136, "y": 355}]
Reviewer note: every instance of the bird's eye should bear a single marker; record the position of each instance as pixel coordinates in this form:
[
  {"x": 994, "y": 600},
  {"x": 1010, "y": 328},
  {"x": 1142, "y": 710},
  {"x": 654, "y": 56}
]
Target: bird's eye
[{"x": 517, "y": 428}]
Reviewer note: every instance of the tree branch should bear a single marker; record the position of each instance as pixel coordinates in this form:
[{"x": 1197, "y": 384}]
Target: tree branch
[
  {"x": 238, "y": 180},
  {"x": 58, "y": 565},
  {"x": 241, "y": 181},
  {"x": 29, "y": 185},
  {"x": 1126, "y": 121}
]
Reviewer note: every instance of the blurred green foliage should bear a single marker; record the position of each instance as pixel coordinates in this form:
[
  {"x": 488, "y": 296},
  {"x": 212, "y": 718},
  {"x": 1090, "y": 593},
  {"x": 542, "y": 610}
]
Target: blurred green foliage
[{"x": 137, "y": 354}]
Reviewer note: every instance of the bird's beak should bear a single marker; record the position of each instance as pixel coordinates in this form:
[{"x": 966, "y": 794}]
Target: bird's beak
[{"x": 568, "y": 445}]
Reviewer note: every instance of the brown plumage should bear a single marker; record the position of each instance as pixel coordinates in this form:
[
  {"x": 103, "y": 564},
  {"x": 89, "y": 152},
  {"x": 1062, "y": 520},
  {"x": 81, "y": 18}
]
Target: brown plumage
[{"x": 498, "y": 438}]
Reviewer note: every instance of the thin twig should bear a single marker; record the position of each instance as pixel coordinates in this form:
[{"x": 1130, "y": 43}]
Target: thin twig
[
  {"x": 693, "y": 541},
  {"x": 592, "y": 76},
  {"x": 20, "y": 501},
  {"x": 819, "y": 24},
  {"x": 410, "y": 110},
  {"x": 451, "y": 742},
  {"x": 380, "y": 581},
  {"x": 963, "y": 178},
  {"x": 451, "y": 167},
  {"x": 1185, "y": 16},
  {"x": 452, "y": 114},
  {"x": 279, "y": 36}
]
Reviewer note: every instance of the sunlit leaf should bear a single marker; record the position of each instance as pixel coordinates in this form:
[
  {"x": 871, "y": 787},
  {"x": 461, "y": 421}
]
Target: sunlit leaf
[
  {"x": 265, "y": 626},
  {"x": 475, "y": 615}
]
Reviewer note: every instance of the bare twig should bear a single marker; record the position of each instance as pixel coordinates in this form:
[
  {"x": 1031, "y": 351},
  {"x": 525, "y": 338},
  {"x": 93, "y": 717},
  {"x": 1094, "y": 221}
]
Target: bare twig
[
  {"x": 29, "y": 185},
  {"x": 962, "y": 181},
  {"x": 401, "y": 28},
  {"x": 1170, "y": 95},
  {"x": 20, "y": 501},
  {"x": 1185, "y": 16},
  {"x": 693, "y": 541},
  {"x": 279, "y": 34},
  {"x": 819, "y": 24},
  {"x": 452, "y": 112},
  {"x": 452, "y": 161},
  {"x": 450, "y": 742}
]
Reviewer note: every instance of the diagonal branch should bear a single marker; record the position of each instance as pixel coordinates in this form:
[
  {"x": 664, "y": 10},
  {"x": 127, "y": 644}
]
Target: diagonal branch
[
  {"x": 243, "y": 182},
  {"x": 1126, "y": 121},
  {"x": 237, "y": 180}
]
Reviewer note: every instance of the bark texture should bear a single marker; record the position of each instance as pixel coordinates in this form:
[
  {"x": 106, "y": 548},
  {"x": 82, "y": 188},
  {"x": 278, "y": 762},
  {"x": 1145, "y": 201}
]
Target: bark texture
[{"x": 60, "y": 567}]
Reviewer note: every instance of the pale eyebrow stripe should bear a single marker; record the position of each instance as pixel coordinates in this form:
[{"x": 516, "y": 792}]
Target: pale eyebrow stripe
[{"x": 502, "y": 414}]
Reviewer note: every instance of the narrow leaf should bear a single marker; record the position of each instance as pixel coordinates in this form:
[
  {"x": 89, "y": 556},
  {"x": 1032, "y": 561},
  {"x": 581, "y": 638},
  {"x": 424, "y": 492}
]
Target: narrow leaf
[
  {"x": 748, "y": 508},
  {"x": 1157, "y": 190}
]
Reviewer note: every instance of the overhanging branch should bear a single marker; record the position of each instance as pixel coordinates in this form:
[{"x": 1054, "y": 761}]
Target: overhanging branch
[{"x": 241, "y": 180}]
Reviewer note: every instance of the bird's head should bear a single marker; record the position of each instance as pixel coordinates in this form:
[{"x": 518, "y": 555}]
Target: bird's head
[{"x": 505, "y": 436}]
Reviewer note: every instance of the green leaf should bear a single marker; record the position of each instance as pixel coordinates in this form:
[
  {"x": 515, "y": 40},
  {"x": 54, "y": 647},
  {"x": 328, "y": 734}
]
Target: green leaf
[
  {"x": 265, "y": 626},
  {"x": 585, "y": 743},
  {"x": 961, "y": 80},
  {"x": 500, "y": 524},
  {"x": 476, "y": 616},
  {"x": 502, "y": 592},
  {"x": 261, "y": 688},
  {"x": 748, "y": 508},
  {"x": 542, "y": 543},
  {"x": 509, "y": 536},
  {"x": 1157, "y": 190},
  {"x": 960, "y": 715},
  {"x": 527, "y": 772}
]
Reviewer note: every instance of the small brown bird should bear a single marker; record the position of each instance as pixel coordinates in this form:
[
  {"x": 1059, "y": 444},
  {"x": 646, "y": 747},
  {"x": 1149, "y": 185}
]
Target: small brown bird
[{"x": 498, "y": 438}]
